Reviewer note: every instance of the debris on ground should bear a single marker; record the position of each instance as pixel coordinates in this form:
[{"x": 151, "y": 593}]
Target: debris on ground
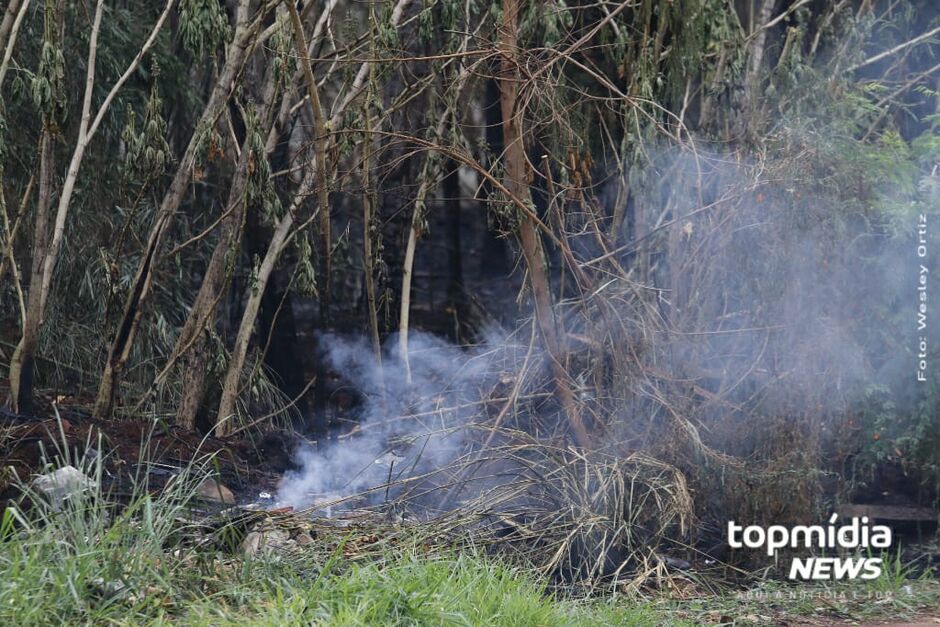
[{"x": 62, "y": 484}]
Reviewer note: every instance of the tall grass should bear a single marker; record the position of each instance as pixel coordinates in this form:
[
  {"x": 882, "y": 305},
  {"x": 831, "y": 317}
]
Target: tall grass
[
  {"x": 88, "y": 560},
  {"x": 123, "y": 573}
]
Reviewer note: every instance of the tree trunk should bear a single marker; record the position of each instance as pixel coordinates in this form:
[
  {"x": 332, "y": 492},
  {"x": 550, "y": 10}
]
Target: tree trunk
[
  {"x": 212, "y": 290},
  {"x": 87, "y": 127},
  {"x": 21, "y": 365},
  {"x": 7, "y": 24},
  {"x": 414, "y": 232},
  {"x": 24, "y": 356},
  {"x": 367, "y": 257},
  {"x": 215, "y": 280},
  {"x": 9, "y": 28},
  {"x": 755, "y": 57},
  {"x": 517, "y": 175},
  {"x": 143, "y": 280},
  {"x": 281, "y": 234},
  {"x": 320, "y": 139},
  {"x": 230, "y": 385},
  {"x": 223, "y": 425},
  {"x": 456, "y": 302}
]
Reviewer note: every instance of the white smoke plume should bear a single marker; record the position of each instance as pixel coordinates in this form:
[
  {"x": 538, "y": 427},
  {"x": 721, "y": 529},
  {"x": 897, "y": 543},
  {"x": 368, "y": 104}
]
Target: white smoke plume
[{"x": 403, "y": 431}]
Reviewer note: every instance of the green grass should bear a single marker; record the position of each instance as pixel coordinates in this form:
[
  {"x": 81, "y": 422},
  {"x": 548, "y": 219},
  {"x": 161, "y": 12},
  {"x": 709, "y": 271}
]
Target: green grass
[
  {"x": 411, "y": 590},
  {"x": 123, "y": 577},
  {"x": 75, "y": 567},
  {"x": 89, "y": 562}
]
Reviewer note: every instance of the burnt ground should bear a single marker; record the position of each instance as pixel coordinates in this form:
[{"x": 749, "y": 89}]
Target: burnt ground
[
  {"x": 156, "y": 450},
  {"x": 132, "y": 450}
]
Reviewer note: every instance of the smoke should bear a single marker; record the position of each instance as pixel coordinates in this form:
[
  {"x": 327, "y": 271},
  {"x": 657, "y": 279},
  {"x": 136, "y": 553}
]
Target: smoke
[
  {"x": 403, "y": 431},
  {"x": 780, "y": 302},
  {"x": 790, "y": 300},
  {"x": 779, "y": 310}
]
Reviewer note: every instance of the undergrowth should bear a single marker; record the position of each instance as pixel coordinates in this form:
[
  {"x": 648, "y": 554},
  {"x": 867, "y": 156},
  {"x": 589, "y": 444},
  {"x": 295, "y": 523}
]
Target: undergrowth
[
  {"x": 84, "y": 559},
  {"x": 76, "y": 567}
]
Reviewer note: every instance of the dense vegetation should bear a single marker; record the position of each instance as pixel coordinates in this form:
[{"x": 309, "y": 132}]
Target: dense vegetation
[
  {"x": 88, "y": 564},
  {"x": 686, "y": 229}
]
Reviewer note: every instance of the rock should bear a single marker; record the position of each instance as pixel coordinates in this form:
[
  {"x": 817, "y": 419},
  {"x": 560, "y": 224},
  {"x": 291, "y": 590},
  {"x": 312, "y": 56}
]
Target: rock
[
  {"x": 252, "y": 543},
  {"x": 272, "y": 540},
  {"x": 107, "y": 589},
  {"x": 212, "y": 491},
  {"x": 303, "y": 539},
  {"x": 270, "y": 537},
  {"x": 62, "y": 484}
]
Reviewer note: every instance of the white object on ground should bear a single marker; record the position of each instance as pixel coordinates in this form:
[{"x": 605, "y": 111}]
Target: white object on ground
[{"x": 63, "y": 483}]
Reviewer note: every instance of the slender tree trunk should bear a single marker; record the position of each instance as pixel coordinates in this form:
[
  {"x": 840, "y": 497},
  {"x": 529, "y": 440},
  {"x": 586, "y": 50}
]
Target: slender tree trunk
[
  {"x": 215, "y": 280},
  {"x": 426, "y": 181},
  {"x": 191, "y": 344},
  {"x": 21, "y": 365},
  {"x": 281, "y": 235},
  {"x": 367, "y": 256},
  {"x": 24, "y": 356},
  {"x": 407, "y": 272},
  {"x": 143, "y": 281},
  {"x": 230, "y": 385},
  {"x": 187, "y": 340},
  {"x": 405, "y": 307},
  {"x": 9, "y": 29},
  {"x": 755, "y": 56},
  {"x": 87, "y": 127},
  {"x": 517, "y": 177},
  {"x": 85, "y": 132},
  {"x": 456, "y": 302},
  {"x": 320, "y": 140},
  {"x": 9, "y": 16},
  {"x": 223, "y": 425}
]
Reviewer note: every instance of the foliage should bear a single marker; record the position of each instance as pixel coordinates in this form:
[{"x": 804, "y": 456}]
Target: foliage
[
  {"x": 204, "y": 26},
  {"x": 722, "y": 212}
]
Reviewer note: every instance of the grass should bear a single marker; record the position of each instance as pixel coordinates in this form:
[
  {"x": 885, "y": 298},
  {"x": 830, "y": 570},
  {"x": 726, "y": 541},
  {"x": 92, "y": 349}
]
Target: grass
[
  {"x": 88, "y": 561},
  {"x": 121, "y": 574},
  {"x": 76, "y": 567},
  {"x": 410, "y": 590}
]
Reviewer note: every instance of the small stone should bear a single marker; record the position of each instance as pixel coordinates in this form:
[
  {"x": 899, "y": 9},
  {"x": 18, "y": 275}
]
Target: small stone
[
  {"x": 252, "y": 543},
  {"x": 107, "y": 589},
  {"x": 303, "y": 539},
  {"x": 213, "y": 491},
  {"x": 267, "y": 541}
]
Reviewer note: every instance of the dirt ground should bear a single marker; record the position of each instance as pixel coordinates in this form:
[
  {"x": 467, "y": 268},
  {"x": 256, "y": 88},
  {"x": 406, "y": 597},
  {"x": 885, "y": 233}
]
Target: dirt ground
[
  {"x": 247, "y": 466},
  {"x": 129, "y": 447}
]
